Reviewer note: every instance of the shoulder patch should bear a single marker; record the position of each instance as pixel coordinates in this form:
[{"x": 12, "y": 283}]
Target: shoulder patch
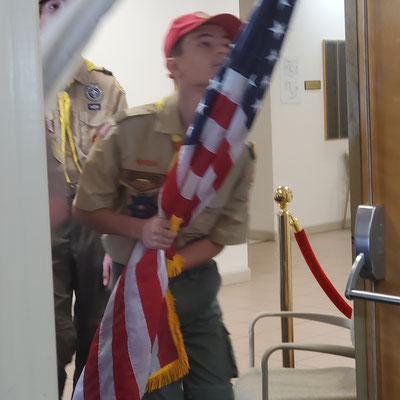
[
  {"x": 119, "y": 87},
  {"x": 134, "y": 111},
  {"x": 103, "y": 130}
]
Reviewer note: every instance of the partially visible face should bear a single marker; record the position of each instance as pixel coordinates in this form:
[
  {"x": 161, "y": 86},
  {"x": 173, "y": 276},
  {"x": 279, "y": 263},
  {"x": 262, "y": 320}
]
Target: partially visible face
[
  {"x": 203, "y": 52},
  {"x": 49, "y": 9}
]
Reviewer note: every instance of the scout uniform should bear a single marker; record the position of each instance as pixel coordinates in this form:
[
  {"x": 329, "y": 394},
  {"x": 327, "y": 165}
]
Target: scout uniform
[
  {"x": 71, "y": 124},
  {"x": 125, "y": 172}
]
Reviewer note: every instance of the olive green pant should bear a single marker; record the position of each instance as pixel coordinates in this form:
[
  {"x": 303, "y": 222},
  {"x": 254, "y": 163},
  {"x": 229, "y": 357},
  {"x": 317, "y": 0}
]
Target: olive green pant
[
  {"x": 77, "y": 255},
  {"x": 206, "y": 339}
]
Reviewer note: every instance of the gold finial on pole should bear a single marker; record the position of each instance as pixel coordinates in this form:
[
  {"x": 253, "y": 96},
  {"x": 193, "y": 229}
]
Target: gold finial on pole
[{"x": 283, "y": 196}]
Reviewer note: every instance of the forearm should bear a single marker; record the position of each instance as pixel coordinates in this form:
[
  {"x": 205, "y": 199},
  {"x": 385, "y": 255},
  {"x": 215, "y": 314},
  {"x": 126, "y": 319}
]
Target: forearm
[
  {"x": 105, "y": 220},
  {"x": 199, "y": 251}
]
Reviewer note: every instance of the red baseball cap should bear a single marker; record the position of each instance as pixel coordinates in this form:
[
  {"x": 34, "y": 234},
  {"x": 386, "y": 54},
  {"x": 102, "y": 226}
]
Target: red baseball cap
[{"x": 186, "y": 23}]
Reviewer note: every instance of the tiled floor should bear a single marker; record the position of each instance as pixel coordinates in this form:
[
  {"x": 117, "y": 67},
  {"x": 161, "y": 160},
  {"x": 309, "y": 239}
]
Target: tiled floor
[{"x": 242, "y": 301}]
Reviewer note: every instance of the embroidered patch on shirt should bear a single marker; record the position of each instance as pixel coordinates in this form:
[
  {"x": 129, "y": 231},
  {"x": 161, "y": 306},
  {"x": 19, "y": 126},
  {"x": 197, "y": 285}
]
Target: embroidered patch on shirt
[
  {"x": 119, "y": 87},
  {"x": 94, "y": 106},
  {"x": 143, "y": 206},
  {"x": 147, "y": 163},
  {"x": 94, "y": 92},
  {"x": 103, "y": 129},
  {"x": 50, "y": 126},
  {"x": 141, "y": 182}
]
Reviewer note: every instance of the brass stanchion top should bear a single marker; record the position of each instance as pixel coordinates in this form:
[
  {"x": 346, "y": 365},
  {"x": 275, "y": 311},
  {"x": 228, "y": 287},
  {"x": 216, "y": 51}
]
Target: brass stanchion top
[{"x": 283, "y": 196}]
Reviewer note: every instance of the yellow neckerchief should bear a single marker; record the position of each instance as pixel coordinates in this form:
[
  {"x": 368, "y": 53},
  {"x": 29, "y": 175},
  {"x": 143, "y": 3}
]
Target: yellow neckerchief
[{"x": 64, "y": 107}]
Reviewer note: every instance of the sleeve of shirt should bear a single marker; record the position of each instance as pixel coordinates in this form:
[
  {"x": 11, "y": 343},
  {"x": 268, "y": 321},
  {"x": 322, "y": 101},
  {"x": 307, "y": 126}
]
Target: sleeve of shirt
[
  {"x": 231, "y": 226},
  {"x": 98, "y": 184},
  {"x": 121, "y": 103}
]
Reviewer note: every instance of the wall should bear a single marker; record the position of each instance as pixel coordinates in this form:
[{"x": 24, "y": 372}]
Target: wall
[
  {"x": 262, "y": 214},
  {"x": 261, "y": 226},
  {"x": 290, "y": 140},
  {"x": 129, "y": 42},
  {"x": 311, "y": 166}
]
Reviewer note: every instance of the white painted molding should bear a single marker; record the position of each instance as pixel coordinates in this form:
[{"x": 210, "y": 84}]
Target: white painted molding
[
  {"x": 330, "y": 226},
  {"x": 28, "y": 368},
  {"x": 261, "y": 236},
  {"x": 266, "y": 236}
]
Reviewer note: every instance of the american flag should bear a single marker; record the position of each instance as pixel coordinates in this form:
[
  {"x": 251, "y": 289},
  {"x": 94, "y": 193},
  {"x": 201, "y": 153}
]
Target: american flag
[{"x": 138, "y": 345}]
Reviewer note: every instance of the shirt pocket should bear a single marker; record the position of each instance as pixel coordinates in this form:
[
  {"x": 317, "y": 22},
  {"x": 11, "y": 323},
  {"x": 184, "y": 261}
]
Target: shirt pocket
[
  {"x": 87, "y": 125},
  {"x": 141, "y": 192}
]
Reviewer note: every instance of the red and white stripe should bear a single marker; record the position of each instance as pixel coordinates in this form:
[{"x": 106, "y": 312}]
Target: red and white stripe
[
  {"x": 202, "y": 169},
  {"x": 127, "y": 347}
]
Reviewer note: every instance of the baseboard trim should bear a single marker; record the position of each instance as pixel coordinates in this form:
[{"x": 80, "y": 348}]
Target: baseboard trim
[
  {"x": 255, "y": 235},
  {"x": 330, "y": 226},
  {"x": 231, "y": 278},
  {"x": 261, "y": 236}
]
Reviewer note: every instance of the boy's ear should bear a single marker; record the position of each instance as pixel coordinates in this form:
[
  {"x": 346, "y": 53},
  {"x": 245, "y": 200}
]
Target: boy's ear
[{"x": 173, "y": 67}]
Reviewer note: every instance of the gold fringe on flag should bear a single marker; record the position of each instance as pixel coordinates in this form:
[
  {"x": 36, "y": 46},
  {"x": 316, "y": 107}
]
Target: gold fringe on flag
[
  {"x": 178, "y": 368},
  {"x": 174, "y": 266},
  {"x": 175, "y": 223}
]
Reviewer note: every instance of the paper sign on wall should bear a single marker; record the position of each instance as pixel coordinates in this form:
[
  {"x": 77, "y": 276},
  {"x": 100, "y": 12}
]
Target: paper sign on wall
[{"x": 290, "y": 80}]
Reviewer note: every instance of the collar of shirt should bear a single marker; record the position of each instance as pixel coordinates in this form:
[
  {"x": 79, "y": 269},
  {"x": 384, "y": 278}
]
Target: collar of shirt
[
  {"x": 82, "y": 74},
  {"x": 168, "y": 119}
]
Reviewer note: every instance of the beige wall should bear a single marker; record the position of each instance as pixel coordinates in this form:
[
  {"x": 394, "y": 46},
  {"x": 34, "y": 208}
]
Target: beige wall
[
  {"x": 311, "y": 166},
  {"x": 129, "y": 40},
  {"x": 261, "y": 205}
]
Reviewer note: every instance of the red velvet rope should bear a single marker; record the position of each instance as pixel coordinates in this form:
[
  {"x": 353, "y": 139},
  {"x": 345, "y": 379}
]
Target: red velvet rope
[{"x": 320, "y": 275}]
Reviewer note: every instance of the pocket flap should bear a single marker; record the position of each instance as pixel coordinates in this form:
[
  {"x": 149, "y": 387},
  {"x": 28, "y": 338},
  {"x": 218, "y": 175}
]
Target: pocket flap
[{"x": 93, "y": 118}]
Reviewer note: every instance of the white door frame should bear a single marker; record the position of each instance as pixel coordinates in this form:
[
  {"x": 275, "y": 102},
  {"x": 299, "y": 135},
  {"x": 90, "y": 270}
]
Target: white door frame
[{"x": 27, "y": 339}]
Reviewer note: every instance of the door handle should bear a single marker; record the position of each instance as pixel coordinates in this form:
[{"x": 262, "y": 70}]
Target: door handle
[
  {"x": 352, "y": 293},
  {"x": 370, "y": 248}
]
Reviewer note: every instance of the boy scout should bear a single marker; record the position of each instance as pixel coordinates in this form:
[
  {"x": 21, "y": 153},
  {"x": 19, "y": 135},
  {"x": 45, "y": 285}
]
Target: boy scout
[
  {"x": 118, "y": 196},
  {"x": 71, "y": 124}
]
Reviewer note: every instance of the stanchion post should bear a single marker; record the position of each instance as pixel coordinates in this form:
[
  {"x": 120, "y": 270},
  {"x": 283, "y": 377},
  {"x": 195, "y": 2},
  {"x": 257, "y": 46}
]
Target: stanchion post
[{"x": 283, "y": 196}]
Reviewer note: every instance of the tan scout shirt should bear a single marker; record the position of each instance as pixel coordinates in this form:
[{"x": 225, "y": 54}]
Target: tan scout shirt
[
  {"x": 130, "y": 164},
  {"x": 95, "y": 96}
]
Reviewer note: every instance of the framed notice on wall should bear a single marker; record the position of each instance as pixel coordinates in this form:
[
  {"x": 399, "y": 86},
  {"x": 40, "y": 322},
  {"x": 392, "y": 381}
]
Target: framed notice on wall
[
  {"x": 334, "y": 57},
  {"x": 290, "y": 80}
]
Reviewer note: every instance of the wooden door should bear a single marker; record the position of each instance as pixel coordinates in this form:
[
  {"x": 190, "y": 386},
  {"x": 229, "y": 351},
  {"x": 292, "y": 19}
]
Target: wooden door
[{"x": 373, "y": 55}]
